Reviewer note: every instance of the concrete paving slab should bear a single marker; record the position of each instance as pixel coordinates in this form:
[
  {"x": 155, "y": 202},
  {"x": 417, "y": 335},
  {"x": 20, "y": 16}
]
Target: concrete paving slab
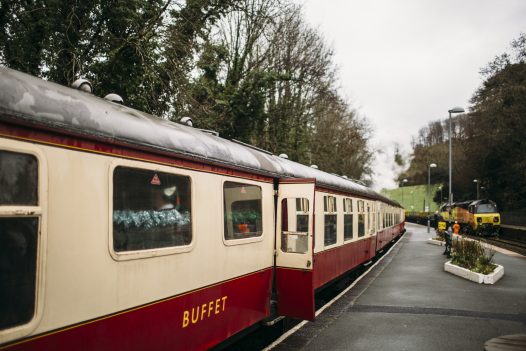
[{"x": 408, "y": 302}]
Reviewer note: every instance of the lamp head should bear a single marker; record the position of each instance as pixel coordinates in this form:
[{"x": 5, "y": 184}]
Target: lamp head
[
  {"x": 456, "y": 110},
  {"x": 432, "y": 165}
]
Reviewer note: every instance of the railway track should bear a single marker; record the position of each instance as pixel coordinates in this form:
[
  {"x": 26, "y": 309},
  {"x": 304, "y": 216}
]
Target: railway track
[
  {"x": 512, "y": 245},
  {"x": 511, "y": 238}
]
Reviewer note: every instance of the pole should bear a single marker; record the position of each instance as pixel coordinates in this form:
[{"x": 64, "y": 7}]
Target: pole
[
  {"x": 478, "y": 197},
  {"x": 428, "y": 202},
  {"x": 450, "y": 198}
]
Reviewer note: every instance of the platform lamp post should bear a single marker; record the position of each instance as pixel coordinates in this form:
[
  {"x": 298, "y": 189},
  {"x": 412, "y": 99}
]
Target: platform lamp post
[
  {"x": 440, "y": 188},
  {"x": 477, "y": 181},
  {"x": 403, "y": 181},
  {"x": 450, "y": 196},
  {"x": 432, "y": 165}
]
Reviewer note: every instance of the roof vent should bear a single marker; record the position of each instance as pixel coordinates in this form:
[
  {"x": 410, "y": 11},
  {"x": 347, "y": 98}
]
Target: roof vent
[
  {"x": 187, "y": 121},
  {"x": 285, "y": 156},
  {"x": 314, "y": 166},
  {"x": 114, "y": 98},
  {"x": 82, "y": 85}
]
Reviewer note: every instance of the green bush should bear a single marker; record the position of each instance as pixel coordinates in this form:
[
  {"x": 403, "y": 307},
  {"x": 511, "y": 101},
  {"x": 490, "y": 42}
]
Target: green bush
[{"x": 470, "y": 254}]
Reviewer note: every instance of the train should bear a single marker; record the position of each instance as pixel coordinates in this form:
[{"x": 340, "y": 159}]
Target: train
[
  {"x": 476, "y": 217},
  {"x": 120, "y": 230}
]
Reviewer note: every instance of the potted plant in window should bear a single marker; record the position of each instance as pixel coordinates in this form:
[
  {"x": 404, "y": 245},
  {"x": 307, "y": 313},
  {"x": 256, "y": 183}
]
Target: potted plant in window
[{"x": 245, "y": 221}]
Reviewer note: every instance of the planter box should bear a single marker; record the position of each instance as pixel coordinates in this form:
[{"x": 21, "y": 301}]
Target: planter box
[
  {"x": 491, "y": 278},
  {"x": 436, "y": 242}
]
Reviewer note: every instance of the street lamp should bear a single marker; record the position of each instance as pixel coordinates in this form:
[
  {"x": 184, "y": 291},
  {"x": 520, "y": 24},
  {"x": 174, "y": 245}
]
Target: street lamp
[
  {"x": 440, "y": 188},
  {"x": 477, "y": 181},
  {"x": 403, "y": 181},
  {"x": 450, "y": 197},
  {"x": 432, "y": 165}
]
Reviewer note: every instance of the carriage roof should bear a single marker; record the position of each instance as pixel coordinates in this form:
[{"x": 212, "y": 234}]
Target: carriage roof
[{"x": 29, "y": 100}]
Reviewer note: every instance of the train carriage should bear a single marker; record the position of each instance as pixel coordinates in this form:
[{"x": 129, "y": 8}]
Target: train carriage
[{"x": 120, "y": 230}]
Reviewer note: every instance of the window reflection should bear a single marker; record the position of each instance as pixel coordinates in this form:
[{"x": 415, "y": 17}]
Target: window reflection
[
  {"x": 242, "y": 206},
  {"x": 150, "y": 209}
]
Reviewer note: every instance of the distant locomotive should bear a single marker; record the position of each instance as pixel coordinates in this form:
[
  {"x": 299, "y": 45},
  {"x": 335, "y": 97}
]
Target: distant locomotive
[
  {"x": 480, "y": 217},
  {"x": 123, "y": 231}
]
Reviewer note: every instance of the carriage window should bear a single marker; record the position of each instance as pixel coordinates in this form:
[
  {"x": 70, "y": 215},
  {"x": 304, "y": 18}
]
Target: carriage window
[
  {"x": 370, "y": 219},
  {"x": 243, "y": 217},
  {"x": 347, "y": 219},
  {"x": 330, "y": 220},
  {"x": 18, "y": 179},
  {"x": 294, "y": 225},
  {"x": 302, "y": 215},
  {"x": 18, "y": 266},
  {"x": 151, "y": 210},
  {"x": 18, "y": 238},
  {"x": 361, "y": 219}
]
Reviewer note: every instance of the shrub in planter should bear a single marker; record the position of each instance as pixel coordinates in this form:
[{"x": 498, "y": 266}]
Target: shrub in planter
[{"x": 470, "y": 254}]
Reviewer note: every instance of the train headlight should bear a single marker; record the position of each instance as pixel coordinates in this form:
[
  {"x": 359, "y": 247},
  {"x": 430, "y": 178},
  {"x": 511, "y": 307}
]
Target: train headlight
[
  {"x": 495, "y": 219},
  {"x": 479, "y": 219}
]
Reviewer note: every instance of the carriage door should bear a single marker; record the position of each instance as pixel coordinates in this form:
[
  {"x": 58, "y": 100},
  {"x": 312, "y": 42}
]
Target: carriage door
[{"x": 294, "y": 248}]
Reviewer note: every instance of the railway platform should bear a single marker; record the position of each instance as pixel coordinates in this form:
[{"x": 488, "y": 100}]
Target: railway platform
[{"x": 408, "y": 302}]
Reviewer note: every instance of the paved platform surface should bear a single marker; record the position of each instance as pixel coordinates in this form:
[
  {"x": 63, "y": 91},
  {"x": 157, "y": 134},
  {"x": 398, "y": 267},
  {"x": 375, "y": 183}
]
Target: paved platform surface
[{"x": 408, "y": 302}]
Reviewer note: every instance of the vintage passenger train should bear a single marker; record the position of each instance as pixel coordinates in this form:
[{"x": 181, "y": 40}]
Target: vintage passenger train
[{"x": 123, "y": 231}]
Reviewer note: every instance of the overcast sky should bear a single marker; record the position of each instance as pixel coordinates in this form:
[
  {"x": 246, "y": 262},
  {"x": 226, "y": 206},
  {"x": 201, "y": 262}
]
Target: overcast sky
[{"x": 403, "y": 63}]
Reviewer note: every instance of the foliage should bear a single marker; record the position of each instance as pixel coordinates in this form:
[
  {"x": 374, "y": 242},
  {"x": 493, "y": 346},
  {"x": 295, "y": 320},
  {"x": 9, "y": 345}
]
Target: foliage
[
  {"x": 138, "y": 49},
  {"x": 252, "y": 70},
  {"x": 470, "y": 254},
  {"x": 488, "y": 142}
]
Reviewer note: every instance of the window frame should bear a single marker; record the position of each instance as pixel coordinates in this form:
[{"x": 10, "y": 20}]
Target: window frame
[
  {"x": 346, "y": 212},
  {"x": 302, "y": 212},
  {"x": 254, "y": 239},
  {"x": 38, "y": 211},
  {"x": 361, "y": 212},
  {"x": 328, "y": 212},
  {"x": 161, "y": 251},
  {"x": 296, "y": 214}
]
